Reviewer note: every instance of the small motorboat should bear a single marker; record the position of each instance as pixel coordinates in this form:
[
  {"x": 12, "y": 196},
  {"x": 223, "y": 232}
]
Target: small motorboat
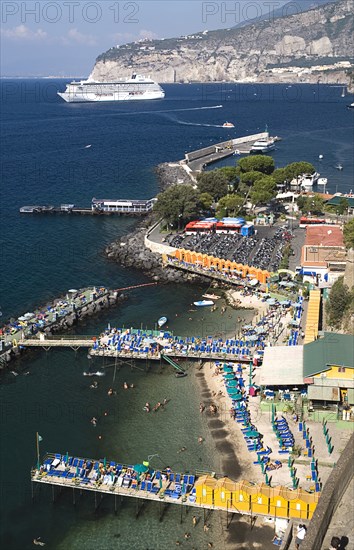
[
  {"x": 88, "y": 146},
  {"x": 180, "y": 374},
  {"x": 161, "y": 322},
  {"x": 203, "y": 303},
  {"x": 339, "y": 166},
  {"x": 228, "y": 125},
  {"x": 211, "y": 296}
]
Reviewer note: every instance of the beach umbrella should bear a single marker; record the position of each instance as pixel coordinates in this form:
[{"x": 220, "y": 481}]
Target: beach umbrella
[
  {"x": 252, "y": 434},
  {"x": 232, "y": 384},
  {"x": 160, "y": 482},
  {"x": 66, "y": 458},
  {"x": 77, "y": 471},
  {"x": 228, "y": 369},
  {"x": 247, "y": 327},
  {"x": 140, "y": 468},
  {"x": 238, "y": 397},
  {"x": 271, "y": 302},
  {"x": 229, "y": 376},
  {"x": 233, "y": 391},
  {"x": 104, "y": 462}
]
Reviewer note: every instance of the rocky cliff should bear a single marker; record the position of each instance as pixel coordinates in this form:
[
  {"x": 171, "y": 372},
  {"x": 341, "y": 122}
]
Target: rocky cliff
[{"x": 317, "y": 44}]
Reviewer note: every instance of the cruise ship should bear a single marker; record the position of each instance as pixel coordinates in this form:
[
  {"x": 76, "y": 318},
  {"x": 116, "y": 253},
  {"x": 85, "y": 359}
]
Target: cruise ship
[{"x": 135, "y": 88}]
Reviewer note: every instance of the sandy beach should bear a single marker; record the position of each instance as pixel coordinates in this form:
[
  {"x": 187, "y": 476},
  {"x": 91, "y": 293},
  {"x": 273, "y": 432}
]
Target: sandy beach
[{"x": 239, "y": 463}]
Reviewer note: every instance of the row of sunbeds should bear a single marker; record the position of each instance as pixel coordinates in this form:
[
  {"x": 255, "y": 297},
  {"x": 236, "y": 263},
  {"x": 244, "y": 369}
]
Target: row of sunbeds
[{"x": 71, "y": 468}]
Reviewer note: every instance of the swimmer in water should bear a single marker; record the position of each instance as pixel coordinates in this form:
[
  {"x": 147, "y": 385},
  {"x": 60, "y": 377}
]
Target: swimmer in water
[
  {"x": 147, "y": 407},
  {"x": 110, "y": 391},
  {"x": 38, "y": 542},
  {"x": 125, "y": 386},
  {"x": 94, "y": 421}
]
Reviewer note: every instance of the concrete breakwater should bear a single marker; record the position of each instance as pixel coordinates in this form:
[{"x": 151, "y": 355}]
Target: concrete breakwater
[{"x": 57, "y": 316}]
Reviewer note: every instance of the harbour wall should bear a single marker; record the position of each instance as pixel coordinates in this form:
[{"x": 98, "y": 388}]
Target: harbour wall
[{"x": 11, "y": 350}]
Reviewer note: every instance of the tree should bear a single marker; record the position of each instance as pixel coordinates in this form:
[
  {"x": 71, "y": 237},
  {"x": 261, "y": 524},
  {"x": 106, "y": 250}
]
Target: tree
[
  {"x": 215, "y": 183},
  {"x": 296, "y": 169},
  {"x": 348, "y": 232},
  {"x": 258, "y": 163},
  {"x": 338, "y": 302},
  {"x": 178, "y": 204},
  {"x": 230, "y": 204},
  {"x": 230, "y": 172},
  {"x": 343, "y": 206},
  {"x": 263, "y": 190},
  {"x": 314, "y": 204},
  {"x": 279, "y": 175},
  {"x": 250, "y": 177},
  {"x": 206, "y": 200}
]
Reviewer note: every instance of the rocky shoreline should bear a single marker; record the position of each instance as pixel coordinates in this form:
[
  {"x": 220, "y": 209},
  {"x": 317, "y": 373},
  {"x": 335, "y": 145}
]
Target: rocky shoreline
[{"x": 130, "y": 250}]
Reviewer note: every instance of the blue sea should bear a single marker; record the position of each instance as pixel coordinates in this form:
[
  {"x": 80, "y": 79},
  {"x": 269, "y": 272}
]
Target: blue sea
[{"x": 44, "y": 160}]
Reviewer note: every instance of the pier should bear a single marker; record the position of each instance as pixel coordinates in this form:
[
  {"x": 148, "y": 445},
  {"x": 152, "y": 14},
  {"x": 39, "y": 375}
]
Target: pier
[
  {"x": 134, "y": 344},
  {"x": 197, "y": 160},
  {"x": 132, "y": 207},
  {"x": 201, "y": 490}
]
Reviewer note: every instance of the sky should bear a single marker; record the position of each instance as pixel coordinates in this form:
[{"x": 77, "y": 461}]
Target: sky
[{"x": 64, "y": 37}]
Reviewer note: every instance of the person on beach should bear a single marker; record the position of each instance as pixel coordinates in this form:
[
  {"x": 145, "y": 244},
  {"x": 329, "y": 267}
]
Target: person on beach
[
  {"x": 200, "y": 440},
  {"x": 335, "y": 543},
  {"x": 194, "y": 521}
]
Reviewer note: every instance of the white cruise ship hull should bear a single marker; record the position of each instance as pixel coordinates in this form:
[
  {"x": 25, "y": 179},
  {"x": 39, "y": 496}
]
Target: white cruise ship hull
[
  {"x": 70, "y": 97},
  {"x": 133, "y": 89}
]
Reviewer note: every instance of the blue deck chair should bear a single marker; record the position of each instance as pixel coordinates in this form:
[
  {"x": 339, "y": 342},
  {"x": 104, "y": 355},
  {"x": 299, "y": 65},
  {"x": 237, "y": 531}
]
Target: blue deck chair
[
  {"x": 143, "y": 486},
  {"x": 76, "y": 462},
  {"x": 191, "y": 480},
  {"x": 172, "y": 476},
  {"x": 158, "y": 475},
  {"x": 178, "y": 478},
  {"x": 58, "y": 456}
]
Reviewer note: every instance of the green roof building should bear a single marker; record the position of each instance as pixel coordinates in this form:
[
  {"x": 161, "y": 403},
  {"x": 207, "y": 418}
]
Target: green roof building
[{"x": 328, "y": 369}]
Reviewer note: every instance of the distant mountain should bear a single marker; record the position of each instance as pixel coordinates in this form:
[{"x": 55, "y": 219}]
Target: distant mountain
[
  {"x": 290, "y": 8},
  {"x": 314, "y": 45}
]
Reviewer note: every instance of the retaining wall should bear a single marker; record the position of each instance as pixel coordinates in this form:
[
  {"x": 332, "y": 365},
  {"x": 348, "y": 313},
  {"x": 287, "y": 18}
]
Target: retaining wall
[{"x": 331, "y": 496}]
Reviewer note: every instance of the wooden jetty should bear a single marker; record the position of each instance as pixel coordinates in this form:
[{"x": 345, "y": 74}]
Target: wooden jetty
[{"x": 202, "y": 490}]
